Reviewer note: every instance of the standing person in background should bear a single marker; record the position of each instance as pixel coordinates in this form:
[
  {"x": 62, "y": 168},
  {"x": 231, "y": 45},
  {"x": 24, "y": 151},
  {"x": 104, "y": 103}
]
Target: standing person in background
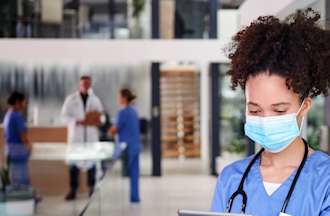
[
  {"x": 82, "y": 111},
  {"x": 18, "y": 146},
  {"x": 128, "y": 129}
]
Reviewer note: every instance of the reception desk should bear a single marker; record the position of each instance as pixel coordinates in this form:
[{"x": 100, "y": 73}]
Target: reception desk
[{"x": 49, "y": 177}]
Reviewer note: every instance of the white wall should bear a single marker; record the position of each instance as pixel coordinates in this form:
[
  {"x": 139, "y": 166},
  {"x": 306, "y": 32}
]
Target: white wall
[
  {"x": 92, "y": 52},
  {"x": 228, "y": 23},
  {"x": 252, "y": 9},
  {"x": 320, "y": 7},
  {"x": 302, "y": 4}
]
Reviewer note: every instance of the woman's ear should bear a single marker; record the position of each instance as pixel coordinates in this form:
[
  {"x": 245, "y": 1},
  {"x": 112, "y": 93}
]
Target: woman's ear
[{"x": 306, "y": 106}]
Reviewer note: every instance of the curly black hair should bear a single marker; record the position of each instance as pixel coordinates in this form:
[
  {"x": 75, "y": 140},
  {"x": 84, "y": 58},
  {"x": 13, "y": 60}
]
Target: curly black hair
[{"x": 296, "y": 49}]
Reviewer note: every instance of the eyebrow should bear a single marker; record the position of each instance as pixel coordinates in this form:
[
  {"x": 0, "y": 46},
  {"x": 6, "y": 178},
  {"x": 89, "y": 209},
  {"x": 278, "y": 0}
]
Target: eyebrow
[
  {"x": 273, "y": 105},
  {"x": 281, "y": 104},
  {"x": 253, "y": 104}
]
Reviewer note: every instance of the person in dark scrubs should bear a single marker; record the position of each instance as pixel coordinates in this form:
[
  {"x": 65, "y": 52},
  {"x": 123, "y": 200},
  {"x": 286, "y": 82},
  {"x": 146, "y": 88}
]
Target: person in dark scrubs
[
  {"x": 18, "y": 146},
  {"x": 128, "y": 129}
]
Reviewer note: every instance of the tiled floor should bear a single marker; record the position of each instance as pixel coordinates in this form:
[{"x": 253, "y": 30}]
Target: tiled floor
[{"x": 185, "y": 184}]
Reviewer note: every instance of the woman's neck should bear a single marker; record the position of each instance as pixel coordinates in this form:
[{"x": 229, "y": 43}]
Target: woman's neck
[
  {"x": 14, "y": 109},
  {"x": 289, "y": 157}
]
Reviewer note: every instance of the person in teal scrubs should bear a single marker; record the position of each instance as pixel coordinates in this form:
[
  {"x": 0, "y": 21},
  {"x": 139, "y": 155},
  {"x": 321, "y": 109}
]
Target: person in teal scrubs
[
  {"x": 281, "y": 66},
  {"x": 127, "y": 127},
  {"x": 18, "y": 147}
]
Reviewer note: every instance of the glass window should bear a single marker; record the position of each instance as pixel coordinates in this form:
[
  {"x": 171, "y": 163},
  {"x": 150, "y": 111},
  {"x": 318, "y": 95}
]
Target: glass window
[
  {"x": 101, "y": 19},
  {"x": 315, "y": 123},
  {"x": 232, "y": 137}
]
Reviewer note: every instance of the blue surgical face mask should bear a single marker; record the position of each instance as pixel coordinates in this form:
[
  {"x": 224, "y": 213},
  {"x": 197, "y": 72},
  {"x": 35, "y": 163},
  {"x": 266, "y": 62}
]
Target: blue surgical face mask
[{"x": 274, "y": 133}]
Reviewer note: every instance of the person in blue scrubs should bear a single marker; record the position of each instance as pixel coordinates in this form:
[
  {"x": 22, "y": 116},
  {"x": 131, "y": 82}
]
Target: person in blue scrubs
[
  {"x": 128, "y": 129},
  {"x": 281, "y": 66},
  {"x": 18, "y": 146}
]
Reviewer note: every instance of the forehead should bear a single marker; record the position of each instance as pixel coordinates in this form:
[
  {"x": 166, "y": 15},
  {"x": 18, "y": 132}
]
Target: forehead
[
  {"x": 265, "y": 89},
  {"x": 85, "y": 80}
]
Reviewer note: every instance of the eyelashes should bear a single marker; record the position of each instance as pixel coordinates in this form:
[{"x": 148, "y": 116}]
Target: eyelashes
[{"x": 275, "y": 111}]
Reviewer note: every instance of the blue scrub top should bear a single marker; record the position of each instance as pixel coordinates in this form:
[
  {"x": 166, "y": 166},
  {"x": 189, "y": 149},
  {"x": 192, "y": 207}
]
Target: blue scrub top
[
  {"x": 14, "y": 125},
  {"x": 311, "y": 195},
  {"x": 128, "y": 126}
]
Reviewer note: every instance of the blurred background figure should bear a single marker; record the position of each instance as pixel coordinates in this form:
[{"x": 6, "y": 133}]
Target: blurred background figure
[
  {"x": 104, "y": 136},
  {"x": 18, "y": 146},
  {"x": 104, "y": 127},
  {"x": 82, "y": 111},
  {"x": 128, "y": 129}
]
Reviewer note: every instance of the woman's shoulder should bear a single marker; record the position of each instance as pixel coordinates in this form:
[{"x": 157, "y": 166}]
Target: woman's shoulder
[
  {"x": 236, "y": 168},
  {"x": 320, "y": 163},
  {"x": 121, "y": 113},
  {"x": 14, "y": 115},
  {"x": 128, "y": 110}
]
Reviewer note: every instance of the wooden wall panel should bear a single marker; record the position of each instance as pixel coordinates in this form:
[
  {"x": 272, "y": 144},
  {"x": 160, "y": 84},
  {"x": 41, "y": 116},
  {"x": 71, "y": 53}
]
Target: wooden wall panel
[{"x": 180, "y": 113}]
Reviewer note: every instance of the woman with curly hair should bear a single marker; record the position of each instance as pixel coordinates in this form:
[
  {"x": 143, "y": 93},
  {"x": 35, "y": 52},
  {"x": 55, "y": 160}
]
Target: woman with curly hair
[{"x": 281, "y": 66}]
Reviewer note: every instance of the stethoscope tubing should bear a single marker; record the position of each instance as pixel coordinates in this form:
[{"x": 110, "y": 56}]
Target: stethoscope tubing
[{"x": 240, "y": 189}]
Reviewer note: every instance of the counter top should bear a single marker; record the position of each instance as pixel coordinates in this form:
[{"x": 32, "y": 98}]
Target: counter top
[{"x": 74, "y": 152}]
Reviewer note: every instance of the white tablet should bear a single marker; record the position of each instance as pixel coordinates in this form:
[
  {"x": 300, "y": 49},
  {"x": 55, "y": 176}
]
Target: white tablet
[{"x": 203, "y": 213}]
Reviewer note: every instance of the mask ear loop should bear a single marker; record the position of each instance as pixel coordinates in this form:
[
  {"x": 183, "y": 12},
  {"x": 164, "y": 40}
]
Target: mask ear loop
[
  {"x": 303, "y": 118},
  {"x": 302, "y": 124}
]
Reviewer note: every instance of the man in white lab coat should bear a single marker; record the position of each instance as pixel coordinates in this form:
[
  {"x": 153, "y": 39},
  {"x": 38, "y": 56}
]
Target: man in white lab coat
[{"x": 81, "y": 112}]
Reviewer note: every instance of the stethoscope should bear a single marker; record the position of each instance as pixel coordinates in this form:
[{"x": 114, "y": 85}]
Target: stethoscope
[{"x": 240, "y": 189}]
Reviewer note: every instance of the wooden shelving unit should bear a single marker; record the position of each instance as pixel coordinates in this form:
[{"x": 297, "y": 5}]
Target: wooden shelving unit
[{"x": 180, "y": 112}]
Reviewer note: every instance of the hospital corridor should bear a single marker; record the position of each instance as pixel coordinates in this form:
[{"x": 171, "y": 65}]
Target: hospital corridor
[
  {"x": 160, "y": 196},
  {"x": 164, "y": 108}
]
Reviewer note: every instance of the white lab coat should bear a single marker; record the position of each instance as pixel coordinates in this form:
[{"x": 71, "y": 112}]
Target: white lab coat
[{"x": 73, "y": 110}]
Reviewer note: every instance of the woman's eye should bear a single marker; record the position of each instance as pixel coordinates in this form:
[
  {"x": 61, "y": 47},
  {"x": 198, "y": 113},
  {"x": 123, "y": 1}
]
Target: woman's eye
[
  {"x": 253, "y": 111},
  {"x": 280, "y": 111}
]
